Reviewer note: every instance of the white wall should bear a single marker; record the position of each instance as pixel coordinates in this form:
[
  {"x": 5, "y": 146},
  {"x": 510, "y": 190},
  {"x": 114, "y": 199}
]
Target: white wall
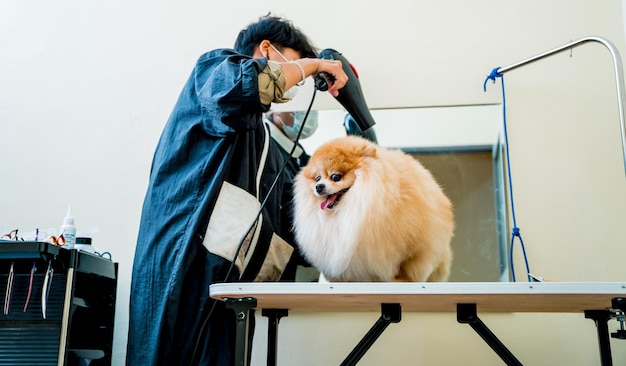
[{"x": 85, "y": 88}]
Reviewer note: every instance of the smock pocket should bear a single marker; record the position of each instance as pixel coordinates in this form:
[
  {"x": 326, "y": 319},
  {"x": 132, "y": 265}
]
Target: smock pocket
[{"x": 234, "y": 212}]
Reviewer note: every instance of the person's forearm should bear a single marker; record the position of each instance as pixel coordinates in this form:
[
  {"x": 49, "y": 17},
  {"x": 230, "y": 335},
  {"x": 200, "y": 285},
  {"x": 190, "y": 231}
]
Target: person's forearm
[{"x": 294, "y": 70}]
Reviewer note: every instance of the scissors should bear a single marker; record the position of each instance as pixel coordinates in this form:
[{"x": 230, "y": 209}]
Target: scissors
[
  {"x": 9, "y": 291},
  {"x": 45, "y": 289},
  {"x": 12, "y": 235},
  {"x": 30, "y": 285},
  {"x": 56, "y": 240}
]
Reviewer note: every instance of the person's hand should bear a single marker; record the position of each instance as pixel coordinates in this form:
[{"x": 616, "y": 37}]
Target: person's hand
[
  {"x": 334, "y": 74},
  {"x": 332, "y": 70}
]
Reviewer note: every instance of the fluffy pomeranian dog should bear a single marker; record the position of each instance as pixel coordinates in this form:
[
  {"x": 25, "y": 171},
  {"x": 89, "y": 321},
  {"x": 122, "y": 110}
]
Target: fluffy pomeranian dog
[{"x": 363, "y": 213}]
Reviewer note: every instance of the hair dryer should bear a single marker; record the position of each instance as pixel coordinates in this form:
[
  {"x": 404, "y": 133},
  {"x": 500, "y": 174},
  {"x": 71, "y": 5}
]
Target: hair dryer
[{"x": 350, "y": 96}]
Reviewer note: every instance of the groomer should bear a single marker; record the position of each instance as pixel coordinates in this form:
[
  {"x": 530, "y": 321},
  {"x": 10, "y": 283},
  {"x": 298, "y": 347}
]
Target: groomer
[{"x": 213, "y": 166}]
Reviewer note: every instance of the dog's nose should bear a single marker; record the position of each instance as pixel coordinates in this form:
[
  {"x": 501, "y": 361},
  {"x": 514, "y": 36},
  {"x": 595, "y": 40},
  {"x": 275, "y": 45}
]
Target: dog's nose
[{"x": 319, "y": 188}]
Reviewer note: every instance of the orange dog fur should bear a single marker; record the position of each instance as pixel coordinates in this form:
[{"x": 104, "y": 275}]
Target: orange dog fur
[{"x": 364, "y": 213}]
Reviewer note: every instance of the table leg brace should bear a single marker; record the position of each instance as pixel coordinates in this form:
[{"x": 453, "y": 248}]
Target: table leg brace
[
  {"x": 390, "y": 313},
  {"x": 466, "y": 313}
]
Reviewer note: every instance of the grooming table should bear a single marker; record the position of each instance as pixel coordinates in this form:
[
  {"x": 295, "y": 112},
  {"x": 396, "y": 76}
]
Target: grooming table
[{"x": 599, "y": 301}]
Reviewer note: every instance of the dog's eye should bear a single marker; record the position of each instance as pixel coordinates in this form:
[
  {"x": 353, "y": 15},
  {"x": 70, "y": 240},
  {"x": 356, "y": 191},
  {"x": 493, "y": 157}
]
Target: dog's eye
[
  {"x": 317, "y": 179},
  {"x": 335, "y": 177}
]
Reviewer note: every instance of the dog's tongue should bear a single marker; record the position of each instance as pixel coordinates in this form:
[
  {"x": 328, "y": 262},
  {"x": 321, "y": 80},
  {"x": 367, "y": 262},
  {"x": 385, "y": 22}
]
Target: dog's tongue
[{"x": 329, "y": 201}]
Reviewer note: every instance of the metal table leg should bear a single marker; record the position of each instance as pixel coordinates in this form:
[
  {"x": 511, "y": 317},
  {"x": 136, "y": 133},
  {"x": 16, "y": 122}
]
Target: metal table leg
[
  {"x": 242, "y": 311},
  {"x": 601, "y": 317},
  {"x": 273, "y": 318}
]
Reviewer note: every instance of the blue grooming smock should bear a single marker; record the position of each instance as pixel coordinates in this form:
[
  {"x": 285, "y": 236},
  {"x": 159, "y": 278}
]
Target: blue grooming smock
[{"x": 214, "y": 163}]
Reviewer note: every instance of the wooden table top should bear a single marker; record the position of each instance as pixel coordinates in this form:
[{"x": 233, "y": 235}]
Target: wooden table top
[{"x": 561, "y": 297}]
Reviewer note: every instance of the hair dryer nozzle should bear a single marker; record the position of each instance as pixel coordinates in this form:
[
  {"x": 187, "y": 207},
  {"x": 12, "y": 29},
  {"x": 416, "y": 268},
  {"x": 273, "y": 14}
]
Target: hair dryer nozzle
[
  {"x": 352, "y": 128},
  {"x": 350, "y": 96}
]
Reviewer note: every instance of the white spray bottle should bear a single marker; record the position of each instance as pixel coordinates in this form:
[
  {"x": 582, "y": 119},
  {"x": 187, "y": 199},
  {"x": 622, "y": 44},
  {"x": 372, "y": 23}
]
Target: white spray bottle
[{"x": 69, "y": 230}]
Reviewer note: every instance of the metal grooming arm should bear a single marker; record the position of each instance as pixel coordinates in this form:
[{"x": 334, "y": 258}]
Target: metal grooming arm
[{"x": 617, "y": 67}]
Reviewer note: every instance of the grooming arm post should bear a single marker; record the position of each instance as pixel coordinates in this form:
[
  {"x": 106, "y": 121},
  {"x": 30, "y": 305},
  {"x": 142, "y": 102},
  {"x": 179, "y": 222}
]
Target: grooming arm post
[
  {"x": 619, "y": 305},
  {"x": 617, "y": 68}
]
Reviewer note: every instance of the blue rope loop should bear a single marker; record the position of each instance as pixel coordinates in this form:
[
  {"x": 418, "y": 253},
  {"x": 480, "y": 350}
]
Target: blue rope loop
[
  {"x": 516, "y": 233},
  {"x": 495, "y": 73}
]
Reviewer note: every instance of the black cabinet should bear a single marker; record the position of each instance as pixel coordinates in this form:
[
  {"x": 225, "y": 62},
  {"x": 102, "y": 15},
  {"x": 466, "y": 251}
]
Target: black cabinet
[{"x": 58, "y": 305}]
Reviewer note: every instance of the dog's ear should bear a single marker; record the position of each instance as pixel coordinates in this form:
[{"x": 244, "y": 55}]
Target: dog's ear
[{"x": 369, "y": 150}]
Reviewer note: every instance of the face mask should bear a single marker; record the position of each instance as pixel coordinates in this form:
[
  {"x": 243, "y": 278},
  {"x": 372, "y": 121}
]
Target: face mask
[
  {"x": 293, "y": 91},
  {"x": 298, "y": 118}
]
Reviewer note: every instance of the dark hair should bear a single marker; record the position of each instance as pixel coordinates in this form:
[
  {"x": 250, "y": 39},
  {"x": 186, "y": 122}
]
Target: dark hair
[{"x": 281, "y": 32}]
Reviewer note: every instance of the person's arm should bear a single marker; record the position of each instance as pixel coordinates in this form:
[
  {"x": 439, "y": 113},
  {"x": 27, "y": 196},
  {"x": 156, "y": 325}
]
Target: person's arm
[
  {"x": 277, "y": 77},
  {"x": 313, "y": 66}
]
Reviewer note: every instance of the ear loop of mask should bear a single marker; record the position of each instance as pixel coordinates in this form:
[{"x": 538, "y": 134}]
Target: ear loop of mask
[
  {"x": 279, "y": 53},
  {"x": 301, "y": 82}
]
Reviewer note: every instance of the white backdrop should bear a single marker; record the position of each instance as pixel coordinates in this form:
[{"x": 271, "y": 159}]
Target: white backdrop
[{"x": 85, "y": 88}]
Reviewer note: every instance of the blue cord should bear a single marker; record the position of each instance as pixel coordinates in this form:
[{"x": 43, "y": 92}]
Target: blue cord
[{"x": 515, "y": 233}]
